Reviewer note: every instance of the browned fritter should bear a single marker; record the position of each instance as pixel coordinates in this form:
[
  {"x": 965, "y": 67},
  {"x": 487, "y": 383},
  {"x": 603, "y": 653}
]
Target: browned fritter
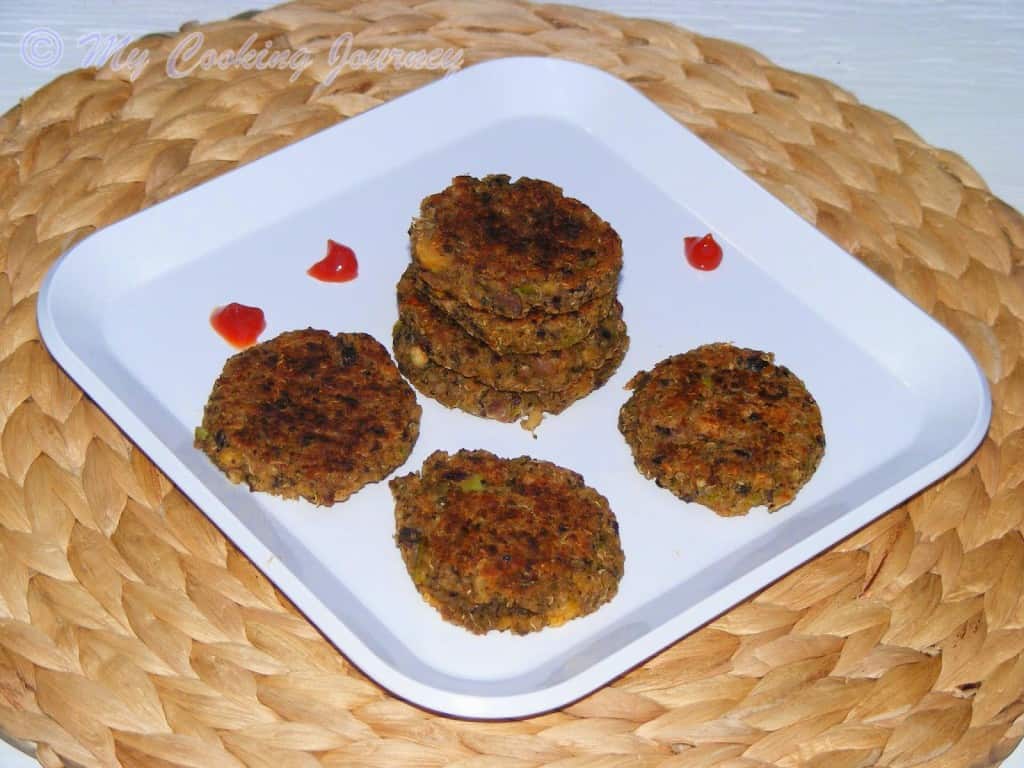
[
  {"x": 533, "y": 333},
  {"x": 448, "y": 345},
  {"x": 473, "y": 396},
  {"x": 516, "y": 544},
  {"x": 310, "y": 414},
  {"x": 509, "y": 248},
  {"x": 724, "y": 427}
]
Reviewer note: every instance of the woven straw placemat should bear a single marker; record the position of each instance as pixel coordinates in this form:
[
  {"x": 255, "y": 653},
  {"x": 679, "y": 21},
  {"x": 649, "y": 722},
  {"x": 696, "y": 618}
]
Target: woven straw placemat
[{"x": 133, "y": 634}]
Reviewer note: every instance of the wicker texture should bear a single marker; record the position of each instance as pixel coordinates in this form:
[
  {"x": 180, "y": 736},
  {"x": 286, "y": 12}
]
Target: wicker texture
[{"x": 133, "y": 634}]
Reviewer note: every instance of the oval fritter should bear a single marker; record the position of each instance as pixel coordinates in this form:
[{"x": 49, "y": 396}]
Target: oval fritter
[
  {"x": 724, "y": 427},
  {"x": 509, "y": 248},
  {"x": 508, "y": 544},
  {"x": 533, "y": 333},
  {"x": 310, "y": 414},
  {"x": 473, "y": 396},
  {"x": 448, "y": 345}
]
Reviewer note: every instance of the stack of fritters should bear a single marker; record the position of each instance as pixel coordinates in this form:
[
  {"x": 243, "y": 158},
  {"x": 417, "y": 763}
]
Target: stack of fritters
[{"x": 509, "y": 308}]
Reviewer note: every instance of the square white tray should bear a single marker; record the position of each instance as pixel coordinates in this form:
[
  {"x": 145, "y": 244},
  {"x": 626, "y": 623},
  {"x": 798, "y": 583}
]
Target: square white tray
[{"x": 126, "y": 314}]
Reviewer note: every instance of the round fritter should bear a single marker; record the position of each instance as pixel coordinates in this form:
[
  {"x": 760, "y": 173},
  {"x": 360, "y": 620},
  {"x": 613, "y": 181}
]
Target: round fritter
[
  {"x": 509, "y": 248},
  {"x": 448, "y": 345},
  {"x": 533, "y": 333},
  {"x": 516, "y": 544},
  {"x": 724, "y": 427},
  {"x": 309, "y": 414},
  {"x": 473, "y": 396}
]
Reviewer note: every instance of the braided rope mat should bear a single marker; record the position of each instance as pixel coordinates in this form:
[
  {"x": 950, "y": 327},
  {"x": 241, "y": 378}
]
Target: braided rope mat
[{"x": 133, "y": 634}]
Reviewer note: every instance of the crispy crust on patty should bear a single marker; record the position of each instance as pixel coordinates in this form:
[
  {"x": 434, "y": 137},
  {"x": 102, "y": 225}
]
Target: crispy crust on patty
[
  {"x": 473, "y": 396},
  {"x": 724, "y": 427},
  {"x": 448, "y": 345},
  {"x": 535, "y": 332},
  {"x": 507, "y": 544},
  {"x": 508, "y": 248},
  {"x": 309, "y": 414}
]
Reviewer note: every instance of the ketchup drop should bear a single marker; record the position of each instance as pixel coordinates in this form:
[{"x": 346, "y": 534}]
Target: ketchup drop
[
  {"x": 703, "y": 252},
  {"x": 338, "y": 266},
  {"x": 238, "y": 324}
]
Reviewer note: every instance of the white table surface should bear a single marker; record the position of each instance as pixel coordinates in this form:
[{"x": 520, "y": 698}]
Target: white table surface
[{"x": 951, "y": 69}]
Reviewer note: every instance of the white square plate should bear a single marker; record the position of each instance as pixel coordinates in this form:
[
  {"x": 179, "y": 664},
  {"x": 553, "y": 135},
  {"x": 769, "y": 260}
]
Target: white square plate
[{"x": 126, "y": 313}]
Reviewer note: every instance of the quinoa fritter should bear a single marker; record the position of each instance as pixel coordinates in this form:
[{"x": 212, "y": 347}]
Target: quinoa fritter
[
  {"x": 508, "y": 248},
  {"x": 516, "y": 544},
  {"x": 473, "y": 396},
  {"x": 309, "y": 414},
  {"x": 724, "y": 427},
  {"x": 448, "y": 345},
  {"x": 533, "y": 333}
]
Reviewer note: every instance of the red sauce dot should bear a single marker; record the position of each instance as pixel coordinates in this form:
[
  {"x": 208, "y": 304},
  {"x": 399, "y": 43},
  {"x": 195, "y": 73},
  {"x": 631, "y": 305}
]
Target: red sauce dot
[
  {"x": 703, "y": 252},
  {"x": 338, "y": 266},
  {"x": 238, "y": 324}
]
